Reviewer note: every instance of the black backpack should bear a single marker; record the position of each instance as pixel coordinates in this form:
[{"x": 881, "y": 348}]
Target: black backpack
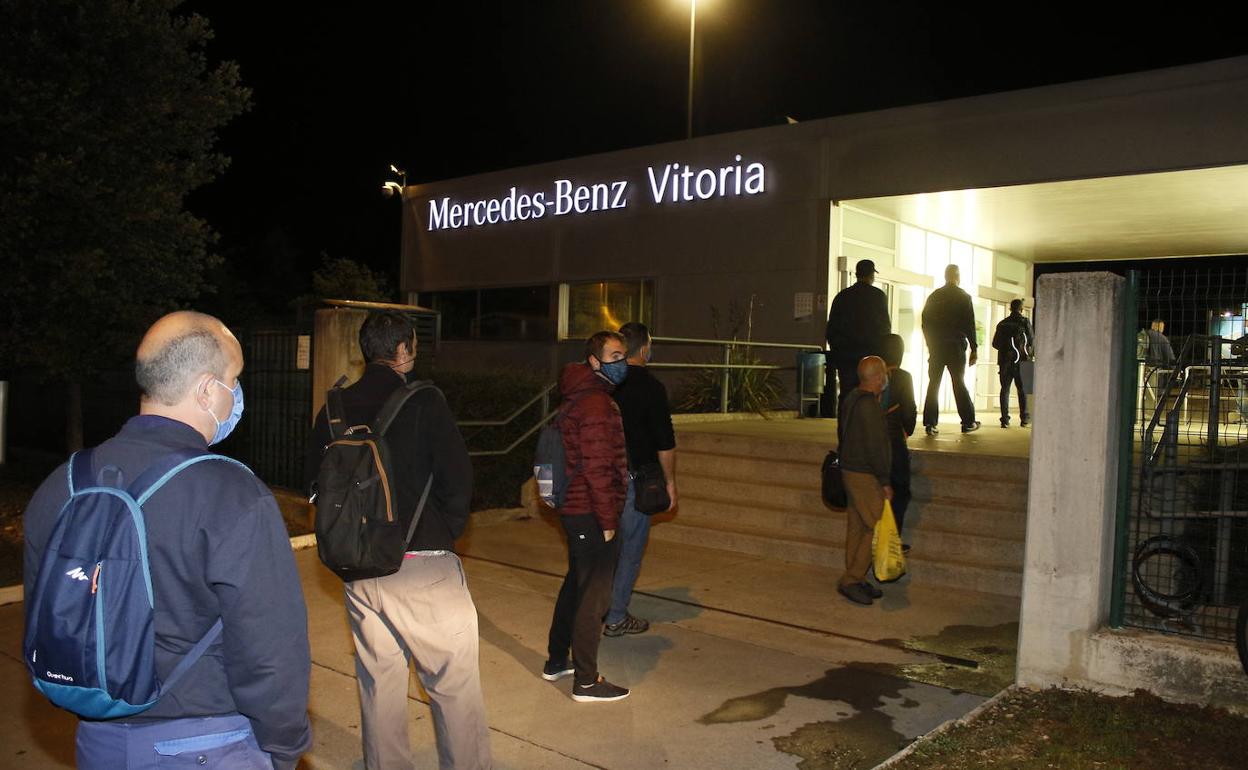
[
  {"x": 357, "y": 521},
  {"x": 1010, "y": 339},
  {"x": 549, "y": 468}
]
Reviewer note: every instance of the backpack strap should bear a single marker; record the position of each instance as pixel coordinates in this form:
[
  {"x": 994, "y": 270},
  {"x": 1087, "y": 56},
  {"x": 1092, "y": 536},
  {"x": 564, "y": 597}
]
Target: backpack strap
[
  {"x": 381, "y": 423},
  {"x": 194, "y": 654},
  {"x": 395, "y": 402},
  {"x": 79, "y": 472},
  {"x": 169, "y": 466},
  {"x": 334, "y": 413}
]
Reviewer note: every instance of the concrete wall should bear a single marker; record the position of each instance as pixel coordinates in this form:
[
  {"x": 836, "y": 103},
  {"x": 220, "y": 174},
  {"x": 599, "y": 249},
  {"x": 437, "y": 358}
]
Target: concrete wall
[
  {"x": 1068, "y": 566},
  {"x": 336, "y": 350}
]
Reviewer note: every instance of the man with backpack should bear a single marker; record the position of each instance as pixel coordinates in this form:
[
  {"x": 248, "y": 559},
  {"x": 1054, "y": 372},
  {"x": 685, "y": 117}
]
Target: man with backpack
[
  {"x": 209, "y": 536},
  {"x": 1013, "y": 340},
  {"x": 423, "y": 610},
  {"x": 596, "y": 475}
]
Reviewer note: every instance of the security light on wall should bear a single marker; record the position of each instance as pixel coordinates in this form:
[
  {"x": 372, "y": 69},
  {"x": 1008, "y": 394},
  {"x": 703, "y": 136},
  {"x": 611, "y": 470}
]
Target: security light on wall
[{"x": 392, "y": 188}]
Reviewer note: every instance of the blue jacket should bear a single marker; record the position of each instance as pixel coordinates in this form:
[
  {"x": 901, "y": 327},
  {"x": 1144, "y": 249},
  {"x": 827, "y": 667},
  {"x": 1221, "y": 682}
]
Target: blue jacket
[{"x": 217, "y": 548}]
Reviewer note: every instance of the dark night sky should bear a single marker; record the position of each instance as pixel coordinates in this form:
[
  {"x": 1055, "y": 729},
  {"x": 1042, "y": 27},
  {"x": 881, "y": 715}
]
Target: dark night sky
[{"x": 445, "y": 89}]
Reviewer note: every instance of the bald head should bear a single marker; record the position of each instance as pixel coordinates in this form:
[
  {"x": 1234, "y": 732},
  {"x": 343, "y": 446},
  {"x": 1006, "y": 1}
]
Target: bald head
[
  {"x": 872, "y": 374},
  {"x": 953, "y": 275},
  {"x": 178, "y": 350}
]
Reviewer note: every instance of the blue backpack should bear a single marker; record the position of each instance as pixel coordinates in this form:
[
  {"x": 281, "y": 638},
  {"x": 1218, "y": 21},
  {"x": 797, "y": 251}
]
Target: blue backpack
[{"x": 89, "y": 644}]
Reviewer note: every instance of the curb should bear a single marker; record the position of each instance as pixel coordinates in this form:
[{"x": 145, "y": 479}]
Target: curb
[{"x": 970, "y": 716}]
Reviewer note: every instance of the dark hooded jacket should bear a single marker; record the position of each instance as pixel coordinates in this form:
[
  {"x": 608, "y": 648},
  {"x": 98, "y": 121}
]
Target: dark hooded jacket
[{"x": 593, "y": 446}]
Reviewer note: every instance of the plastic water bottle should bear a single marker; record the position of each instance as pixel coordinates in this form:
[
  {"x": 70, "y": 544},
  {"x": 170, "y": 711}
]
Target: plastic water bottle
[{"x": 545, "y": 476}]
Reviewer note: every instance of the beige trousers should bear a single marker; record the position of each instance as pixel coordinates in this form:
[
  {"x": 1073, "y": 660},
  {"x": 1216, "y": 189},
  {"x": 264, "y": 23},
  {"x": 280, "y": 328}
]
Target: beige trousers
[
  {"x": 866, "y": 506},
  {"x": 423, "y": 611}
]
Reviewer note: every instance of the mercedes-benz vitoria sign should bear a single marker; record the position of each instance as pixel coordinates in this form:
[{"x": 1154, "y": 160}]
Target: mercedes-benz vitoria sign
[{"x": 667, "y": 184}]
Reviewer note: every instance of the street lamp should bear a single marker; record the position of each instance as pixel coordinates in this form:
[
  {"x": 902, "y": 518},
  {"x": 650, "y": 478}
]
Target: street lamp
[
  {"x": 693, "y": 22},
  {"x": 391, "y": 188}
]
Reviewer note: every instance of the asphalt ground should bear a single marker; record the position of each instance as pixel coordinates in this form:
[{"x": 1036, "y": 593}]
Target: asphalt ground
[{"x": 749, "y": 663}]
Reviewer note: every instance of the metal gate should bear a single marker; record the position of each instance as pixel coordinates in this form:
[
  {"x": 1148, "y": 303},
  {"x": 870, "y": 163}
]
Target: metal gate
[
  {"x": 1182, "y": 557},
  {"x": 277, "y": 390}
]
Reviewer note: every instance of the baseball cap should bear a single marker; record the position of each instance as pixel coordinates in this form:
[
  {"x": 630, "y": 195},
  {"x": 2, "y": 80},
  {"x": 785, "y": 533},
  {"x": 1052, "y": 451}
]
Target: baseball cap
[{"x": 864, "y": 267}]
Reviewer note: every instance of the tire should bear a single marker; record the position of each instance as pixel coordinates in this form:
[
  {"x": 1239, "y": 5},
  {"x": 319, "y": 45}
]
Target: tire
[{"x": 1167, "y": 605}]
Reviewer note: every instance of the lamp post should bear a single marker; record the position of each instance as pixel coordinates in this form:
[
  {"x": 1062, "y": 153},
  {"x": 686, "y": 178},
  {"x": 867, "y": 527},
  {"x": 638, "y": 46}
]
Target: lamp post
[{"x": 693, "y": 21}]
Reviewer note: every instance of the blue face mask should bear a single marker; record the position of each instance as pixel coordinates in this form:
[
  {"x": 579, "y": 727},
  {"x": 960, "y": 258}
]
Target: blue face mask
[
  {"x": 615, "y": 371},
  {"x": 236, "y": 414}
]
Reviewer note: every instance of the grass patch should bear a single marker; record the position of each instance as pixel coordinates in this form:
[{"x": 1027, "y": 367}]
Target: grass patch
[{"x": 1061, "y": 729}]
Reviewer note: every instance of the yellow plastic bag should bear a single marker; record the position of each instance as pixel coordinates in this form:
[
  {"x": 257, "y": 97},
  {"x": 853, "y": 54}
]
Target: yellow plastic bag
[{"x": 887, "y": 560}]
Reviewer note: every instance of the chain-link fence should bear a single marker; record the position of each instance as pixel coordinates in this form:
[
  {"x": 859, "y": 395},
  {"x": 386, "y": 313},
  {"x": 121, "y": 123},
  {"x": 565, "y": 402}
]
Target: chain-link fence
[{"x": 1184, "y": 548}]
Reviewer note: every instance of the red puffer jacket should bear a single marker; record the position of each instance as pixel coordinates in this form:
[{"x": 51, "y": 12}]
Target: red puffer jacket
[{"x": 593, "y": 445}]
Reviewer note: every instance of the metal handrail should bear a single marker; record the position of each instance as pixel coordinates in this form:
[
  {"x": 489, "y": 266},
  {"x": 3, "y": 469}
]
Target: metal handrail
[
  {"x": 545, "y": 392},
  {"x": 736, "y": 343},
  {"x": 544, "y": 395}
]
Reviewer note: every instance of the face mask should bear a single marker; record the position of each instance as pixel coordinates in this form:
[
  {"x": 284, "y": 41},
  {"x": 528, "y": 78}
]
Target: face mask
[
  {"x": 615, "y": 371},
  {"x": 649, "y": 354},
  {"x": 236, "y": 414}
]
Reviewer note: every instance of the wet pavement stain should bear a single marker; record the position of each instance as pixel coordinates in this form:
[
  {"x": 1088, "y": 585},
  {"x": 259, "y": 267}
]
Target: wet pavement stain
[
  {"x": 993, "y": 648},
  {"x": 859, "y": 741}
]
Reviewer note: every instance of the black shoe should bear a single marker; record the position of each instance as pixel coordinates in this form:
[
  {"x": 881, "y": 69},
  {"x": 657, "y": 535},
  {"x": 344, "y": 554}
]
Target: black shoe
[
  {"x": 905, "y": 548},
  {"x": 972, "y": 427},
  {"x": 1024, "y": 422},
  {"x": 931, "y": 430},
  {"x": 629, "y": 625},
  {"x": 871, "y": 590},
  {"x": 855, "y": 593},
  {"x": 598, "y": 692},
  {"x": 554, "y": 671},
  {"x": 1005, "y": 422}
]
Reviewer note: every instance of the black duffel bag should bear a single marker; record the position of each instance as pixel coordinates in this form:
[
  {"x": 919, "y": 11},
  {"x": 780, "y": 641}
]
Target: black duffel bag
[
  {"x": 833, "y": 481},
  {"x": 650, "y": 490}
]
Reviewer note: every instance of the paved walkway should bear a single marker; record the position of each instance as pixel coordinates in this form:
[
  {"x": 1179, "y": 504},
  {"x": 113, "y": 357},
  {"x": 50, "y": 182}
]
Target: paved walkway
[{"x": 749, "y": 663}]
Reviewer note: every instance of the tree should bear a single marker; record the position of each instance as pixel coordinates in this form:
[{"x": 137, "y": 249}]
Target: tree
[
  {"x": 109, "y": 112},
  {"x": 343, "y": 278}
]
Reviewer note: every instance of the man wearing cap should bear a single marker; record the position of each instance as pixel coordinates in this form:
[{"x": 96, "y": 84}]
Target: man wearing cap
[{"x": 857, "y": 323}]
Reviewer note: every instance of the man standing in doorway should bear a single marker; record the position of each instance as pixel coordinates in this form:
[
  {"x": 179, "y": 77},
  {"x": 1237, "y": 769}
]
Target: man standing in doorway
[
  {"x": 866, "y": 464},
  {"x": 857, "y": 323},
  {"x": 1013, "y": 340},
  {"x": 650, "y": 440},
  {"x": 424, "y": 610},
  {"x": 217, "y": 548},
  {"x": 596, "y": 468},
  {"x": 949, "y": 326}
]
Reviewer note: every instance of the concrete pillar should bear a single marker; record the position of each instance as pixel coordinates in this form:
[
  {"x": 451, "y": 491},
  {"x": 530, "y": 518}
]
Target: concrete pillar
[
  {"x": 1068, "y": 568},
  {"x": 335, "y": 350}
]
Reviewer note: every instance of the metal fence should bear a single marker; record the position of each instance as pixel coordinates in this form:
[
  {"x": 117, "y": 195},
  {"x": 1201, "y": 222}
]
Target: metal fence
[
  {"x": 1183, "y": 529},
  {"x": 277, "y": 391}
]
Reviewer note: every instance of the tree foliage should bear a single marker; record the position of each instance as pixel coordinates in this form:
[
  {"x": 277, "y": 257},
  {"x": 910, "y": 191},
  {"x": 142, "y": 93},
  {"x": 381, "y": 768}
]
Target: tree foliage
[
  {"x": 342, "y": 278},
  {"x": 109, "y": 113}
]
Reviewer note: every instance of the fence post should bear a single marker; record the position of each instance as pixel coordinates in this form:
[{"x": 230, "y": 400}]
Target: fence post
[
  {"x": 1215, "y": 393},
  {"x": 723, "y": 383},
  {"x": 1126, "y": 447}
]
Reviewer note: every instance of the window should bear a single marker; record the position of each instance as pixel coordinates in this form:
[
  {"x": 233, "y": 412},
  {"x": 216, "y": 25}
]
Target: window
[
  {"x": 509, "y": 313},
  {"x": 586, "y": 308}
]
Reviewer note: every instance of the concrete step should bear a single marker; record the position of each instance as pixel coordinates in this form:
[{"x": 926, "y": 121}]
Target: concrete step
[
  {"x": 1010, "y": 494},
  {"x": 1002, "y": 491},
  {"x": 760, "y": 470},
  {"x": 778, "y": 449},
  {"x": 829, "y": 527},
  {"x": 948, "y": 573}
]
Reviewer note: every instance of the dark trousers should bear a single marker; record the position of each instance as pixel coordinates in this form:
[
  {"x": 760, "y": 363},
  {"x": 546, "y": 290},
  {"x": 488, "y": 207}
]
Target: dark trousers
[
  {"x": 899, "y": 479},
  {"x": 584, "y": 596},
  {"x": 1012, "y": 373},
  {"x": 935, "y": 370},
  {"x": 847, "y": 371}
]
